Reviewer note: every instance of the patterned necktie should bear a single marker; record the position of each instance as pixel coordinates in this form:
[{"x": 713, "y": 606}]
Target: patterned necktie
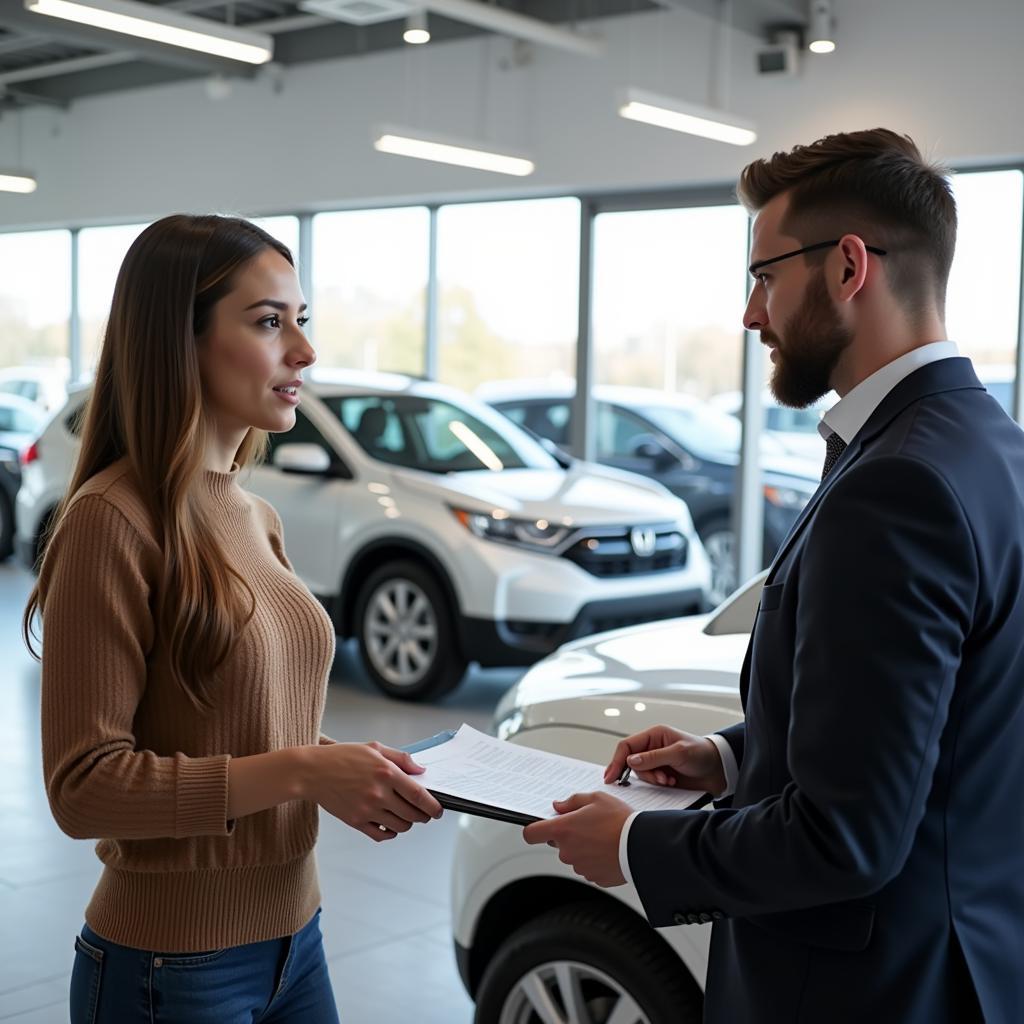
[{"x": 834, "y": 447}]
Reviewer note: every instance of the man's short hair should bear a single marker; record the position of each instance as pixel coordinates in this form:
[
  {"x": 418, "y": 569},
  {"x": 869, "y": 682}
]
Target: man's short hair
[{"x": 874, "y": 184}]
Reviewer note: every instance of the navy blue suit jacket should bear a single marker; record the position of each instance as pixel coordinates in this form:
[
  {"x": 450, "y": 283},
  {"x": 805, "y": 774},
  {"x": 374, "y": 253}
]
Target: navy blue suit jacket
[{"x": 871, "y": 864}]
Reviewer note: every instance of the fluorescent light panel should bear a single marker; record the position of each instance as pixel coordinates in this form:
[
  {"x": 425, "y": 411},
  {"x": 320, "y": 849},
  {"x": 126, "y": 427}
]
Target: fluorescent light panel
[
  {"x": 447, "y": 150},
  {"x": 161, "y": 25},
  {"x": 23, "y": 183},
  {"x": 691, "y": 118}
]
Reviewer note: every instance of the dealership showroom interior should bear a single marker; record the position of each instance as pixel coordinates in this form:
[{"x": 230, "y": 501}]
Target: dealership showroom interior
[{"x": 442, "y": 457}]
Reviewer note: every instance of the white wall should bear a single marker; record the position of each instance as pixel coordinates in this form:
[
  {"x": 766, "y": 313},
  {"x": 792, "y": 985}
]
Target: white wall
[{"x": 946, "y": 71}]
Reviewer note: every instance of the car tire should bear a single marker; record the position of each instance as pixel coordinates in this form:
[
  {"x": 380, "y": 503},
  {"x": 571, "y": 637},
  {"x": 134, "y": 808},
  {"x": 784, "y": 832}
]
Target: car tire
[
  {"x": 719, "y": 540},
  {"x": 406, "y": 636},
  {"x": 580, "y": 949},
  {"x": 6, "y": 527}
]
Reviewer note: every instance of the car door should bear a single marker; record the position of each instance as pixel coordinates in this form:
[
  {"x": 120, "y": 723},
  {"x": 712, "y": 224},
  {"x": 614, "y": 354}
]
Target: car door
[{"x": 310, "y": 508}]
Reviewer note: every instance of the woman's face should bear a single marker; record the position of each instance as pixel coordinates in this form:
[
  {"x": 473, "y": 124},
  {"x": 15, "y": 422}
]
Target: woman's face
[{"x": 253, "y": 351}]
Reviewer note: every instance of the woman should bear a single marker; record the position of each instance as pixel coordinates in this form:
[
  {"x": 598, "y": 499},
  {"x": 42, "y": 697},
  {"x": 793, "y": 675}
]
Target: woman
[{"x": 184, "y": 665}]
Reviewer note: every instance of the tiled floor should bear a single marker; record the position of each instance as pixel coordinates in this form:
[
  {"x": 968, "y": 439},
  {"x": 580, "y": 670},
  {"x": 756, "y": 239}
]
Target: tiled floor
[{"x": 387, "y": 937}]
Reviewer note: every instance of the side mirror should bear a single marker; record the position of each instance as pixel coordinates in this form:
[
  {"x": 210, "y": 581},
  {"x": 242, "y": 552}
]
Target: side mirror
[
  {"x": 648, "y": 447},
  {"x": 307, "y": 459}
]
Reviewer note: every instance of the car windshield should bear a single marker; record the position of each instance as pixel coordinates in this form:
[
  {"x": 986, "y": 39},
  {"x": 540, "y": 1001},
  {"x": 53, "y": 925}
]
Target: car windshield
[{"x": 435, "y": 435}]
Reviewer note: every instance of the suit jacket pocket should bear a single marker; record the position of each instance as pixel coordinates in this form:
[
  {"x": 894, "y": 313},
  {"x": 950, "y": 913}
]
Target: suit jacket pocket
[
  {"x": 771, "y": 597},
  {"x": 841, "y": 926}
]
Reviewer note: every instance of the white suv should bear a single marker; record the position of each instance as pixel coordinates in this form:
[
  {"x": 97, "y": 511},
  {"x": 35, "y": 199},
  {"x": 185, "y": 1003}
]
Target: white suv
[
  {"x": 535, "y": 942},
  {"x": 438, "y": 533}
]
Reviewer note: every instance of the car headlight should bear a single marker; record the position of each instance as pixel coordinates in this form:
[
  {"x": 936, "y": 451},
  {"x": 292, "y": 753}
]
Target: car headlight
[
  {"x": 787, "y": 497},
  {"x": 537, "y": 534}
]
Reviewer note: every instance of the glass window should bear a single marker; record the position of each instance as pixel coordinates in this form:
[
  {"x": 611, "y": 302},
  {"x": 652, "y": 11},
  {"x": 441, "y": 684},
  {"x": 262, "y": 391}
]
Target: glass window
[
  {"x": 669, "y": 294},
  {"x": 545, "y": 419},
  {"x": 101, "y": 252},
  {"x": 284, "y": 229},
  {"x": 369, "y": 289},
  {"x": 433, "y": 435},
  {"x": 619, "y": 433},
  {"x": 983, "y": 298},
  {"x": 35, "y": 302},
  {"x": 508, "y": 279}
]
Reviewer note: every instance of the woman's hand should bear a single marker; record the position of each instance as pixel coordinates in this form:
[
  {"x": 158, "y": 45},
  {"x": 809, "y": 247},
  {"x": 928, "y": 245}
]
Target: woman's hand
[
  {"x": 367, "y": 786},
  {"x": 667, "y": 757}
]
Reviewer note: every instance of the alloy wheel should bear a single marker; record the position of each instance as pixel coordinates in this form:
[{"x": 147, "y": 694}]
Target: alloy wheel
[
  {"x": 567, "y": 992},
  {"x": 401, "y": 631},
  {"x": 721, "y": 548}
]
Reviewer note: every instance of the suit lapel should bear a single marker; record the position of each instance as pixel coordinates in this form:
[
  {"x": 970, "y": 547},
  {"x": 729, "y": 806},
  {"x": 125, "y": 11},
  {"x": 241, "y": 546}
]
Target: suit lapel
[{"x": 934, "y": 378}]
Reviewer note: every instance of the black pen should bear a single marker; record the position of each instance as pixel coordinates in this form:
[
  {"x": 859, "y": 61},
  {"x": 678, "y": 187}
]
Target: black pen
[{"x": 623, "y": 779}]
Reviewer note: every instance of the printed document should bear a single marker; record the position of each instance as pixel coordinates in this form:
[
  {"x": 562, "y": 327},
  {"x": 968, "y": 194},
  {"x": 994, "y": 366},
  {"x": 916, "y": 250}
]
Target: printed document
[{"x": 475, "y": 766}]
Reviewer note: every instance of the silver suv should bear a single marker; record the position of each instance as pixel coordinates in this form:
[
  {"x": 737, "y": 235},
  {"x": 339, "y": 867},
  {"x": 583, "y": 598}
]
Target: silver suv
[{"x": 438, "y": 533}]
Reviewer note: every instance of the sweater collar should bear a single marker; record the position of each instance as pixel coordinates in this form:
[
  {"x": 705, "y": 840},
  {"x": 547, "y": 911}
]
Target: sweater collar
[{"x": 223, "y": 487}]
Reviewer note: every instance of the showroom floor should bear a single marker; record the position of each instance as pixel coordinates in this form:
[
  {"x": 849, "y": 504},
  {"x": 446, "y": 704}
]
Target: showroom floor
[{"x": 385, "y": 919}]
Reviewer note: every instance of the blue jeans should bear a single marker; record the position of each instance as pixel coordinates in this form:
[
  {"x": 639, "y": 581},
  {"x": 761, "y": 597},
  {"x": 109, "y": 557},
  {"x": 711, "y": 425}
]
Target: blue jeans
[{"x": 280, "y": 981}]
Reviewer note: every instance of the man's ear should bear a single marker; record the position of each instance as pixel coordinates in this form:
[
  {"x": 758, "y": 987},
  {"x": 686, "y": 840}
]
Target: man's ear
[{"x": 852, "y": 267}]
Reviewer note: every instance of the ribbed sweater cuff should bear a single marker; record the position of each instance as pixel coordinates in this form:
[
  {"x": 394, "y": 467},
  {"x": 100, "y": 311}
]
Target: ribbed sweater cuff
[{"x": 202, "y": 796}]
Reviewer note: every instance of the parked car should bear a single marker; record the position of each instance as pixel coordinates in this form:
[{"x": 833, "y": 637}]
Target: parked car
[
  {"x": 10, "y": 481},
  {"x": 44, "y": 385},
  {"x": 796, "y": 430},
  {"x": 681, "y": 442},
  {"x": 438, "y": 533},
  {"x": 20, "y": 421},
  {"x": 528, "y": 931}
]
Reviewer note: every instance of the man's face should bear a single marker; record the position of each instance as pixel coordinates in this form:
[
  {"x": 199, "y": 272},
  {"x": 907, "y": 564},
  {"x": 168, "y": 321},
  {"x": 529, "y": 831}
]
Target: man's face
[{"x": 791, "y": 309}]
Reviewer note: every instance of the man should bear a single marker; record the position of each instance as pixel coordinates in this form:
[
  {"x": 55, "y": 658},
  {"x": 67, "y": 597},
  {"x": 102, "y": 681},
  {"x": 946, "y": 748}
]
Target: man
[{"x": 870, "y": 865}]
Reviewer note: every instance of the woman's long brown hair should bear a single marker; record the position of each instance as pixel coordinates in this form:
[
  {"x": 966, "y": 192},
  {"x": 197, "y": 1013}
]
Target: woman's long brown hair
[{"x": 147, "y": 405}]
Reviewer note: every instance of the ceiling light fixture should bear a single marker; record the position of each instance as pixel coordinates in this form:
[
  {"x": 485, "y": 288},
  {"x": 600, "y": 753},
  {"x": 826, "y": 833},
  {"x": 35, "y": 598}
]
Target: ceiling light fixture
[
  {"x": 11, "y": 182},
  {"x": 680, "y": 116},
  {"x": 447, "y": 150},
  {"x": 820, "y": 37},
  {"x": 416, "y": 32},
  {"x": 162, "y": 25}
]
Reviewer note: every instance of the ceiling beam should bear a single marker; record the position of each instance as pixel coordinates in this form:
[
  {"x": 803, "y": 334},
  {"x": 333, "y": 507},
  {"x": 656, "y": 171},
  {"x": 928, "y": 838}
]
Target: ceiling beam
[{"x": 509, "y": 23}]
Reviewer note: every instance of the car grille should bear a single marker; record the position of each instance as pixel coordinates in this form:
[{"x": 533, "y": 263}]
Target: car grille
[{"x": 610, "y": 553}]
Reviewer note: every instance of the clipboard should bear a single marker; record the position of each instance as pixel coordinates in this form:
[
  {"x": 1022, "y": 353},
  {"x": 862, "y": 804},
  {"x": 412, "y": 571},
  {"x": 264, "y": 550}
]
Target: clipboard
[
  {"x": 486, "y": 810},
  {"x": 455, "y": 803}
]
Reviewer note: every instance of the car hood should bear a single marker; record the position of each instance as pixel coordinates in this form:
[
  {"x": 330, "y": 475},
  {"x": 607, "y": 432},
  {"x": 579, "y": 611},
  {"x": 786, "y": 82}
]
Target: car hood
[
  {"x": 582, "y": 495},
  {"x": 626, "y": 680}
]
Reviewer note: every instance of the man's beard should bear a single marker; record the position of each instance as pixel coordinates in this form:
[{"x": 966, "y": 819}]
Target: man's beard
[{"x": 814, "y": 340}]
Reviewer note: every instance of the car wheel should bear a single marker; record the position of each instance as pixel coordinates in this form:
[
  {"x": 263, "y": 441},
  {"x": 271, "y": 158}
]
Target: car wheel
[
  {"x": 587, "y": 964},
  {"x": 405, "y": 633},
  {"x": 6, "y": 527},
  {"x": 719, "y": 540}
]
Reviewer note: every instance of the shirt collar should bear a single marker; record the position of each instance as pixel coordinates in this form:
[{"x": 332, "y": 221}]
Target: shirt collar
[{"x": 849, "y": 414}]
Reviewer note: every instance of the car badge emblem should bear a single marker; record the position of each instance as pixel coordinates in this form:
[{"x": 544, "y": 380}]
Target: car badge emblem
[{"x": 643, "y": 540}]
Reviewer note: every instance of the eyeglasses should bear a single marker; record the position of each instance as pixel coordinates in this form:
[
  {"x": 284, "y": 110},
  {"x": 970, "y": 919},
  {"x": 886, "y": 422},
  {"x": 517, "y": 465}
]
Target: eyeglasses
[{"x": 755, "y": 267}]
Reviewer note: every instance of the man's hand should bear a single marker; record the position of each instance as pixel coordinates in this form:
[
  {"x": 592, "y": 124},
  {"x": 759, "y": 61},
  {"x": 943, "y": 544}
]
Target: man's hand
[
  {"x": 586, "y": 834},
  {"x": 667, "y": 757}
]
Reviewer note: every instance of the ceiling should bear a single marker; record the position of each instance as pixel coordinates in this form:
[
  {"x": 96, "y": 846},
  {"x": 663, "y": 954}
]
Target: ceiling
[{"x": 48, "y": 61}]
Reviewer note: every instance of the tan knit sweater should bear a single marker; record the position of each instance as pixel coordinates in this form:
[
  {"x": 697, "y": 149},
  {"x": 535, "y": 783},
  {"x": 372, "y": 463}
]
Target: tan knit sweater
[{"x": 128, "y": 760}]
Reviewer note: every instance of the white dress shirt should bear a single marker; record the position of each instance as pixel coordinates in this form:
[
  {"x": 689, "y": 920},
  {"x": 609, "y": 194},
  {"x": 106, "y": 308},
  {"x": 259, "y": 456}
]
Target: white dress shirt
[{"x": 845, "y": 418}]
